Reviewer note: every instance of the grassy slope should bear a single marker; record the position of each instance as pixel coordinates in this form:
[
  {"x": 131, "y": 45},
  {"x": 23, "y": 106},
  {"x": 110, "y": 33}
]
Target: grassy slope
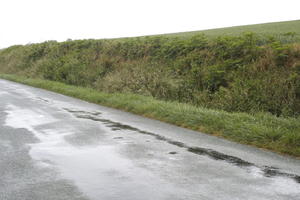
[
  {"x": 261, "y": 130},
  {"x": 266, "y": 28}
]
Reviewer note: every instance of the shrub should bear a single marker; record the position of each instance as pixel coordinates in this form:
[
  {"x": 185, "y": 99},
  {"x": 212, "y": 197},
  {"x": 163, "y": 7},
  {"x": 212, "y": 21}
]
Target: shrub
[{"x": 249, "y": 72}]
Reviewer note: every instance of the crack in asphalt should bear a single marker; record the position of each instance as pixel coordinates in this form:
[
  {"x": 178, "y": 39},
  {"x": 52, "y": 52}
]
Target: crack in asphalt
[{"x": 267, "y": 171}]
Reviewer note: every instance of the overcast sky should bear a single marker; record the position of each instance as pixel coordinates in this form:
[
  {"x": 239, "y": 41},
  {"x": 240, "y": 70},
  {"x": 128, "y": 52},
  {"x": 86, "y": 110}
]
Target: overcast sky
[{"x": 31, "y": 21}]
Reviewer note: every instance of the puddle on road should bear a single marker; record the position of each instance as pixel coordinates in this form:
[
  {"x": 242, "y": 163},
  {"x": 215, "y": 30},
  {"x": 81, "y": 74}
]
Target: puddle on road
[
  {"x": 98, "y": 171},
  {"x": 267, "y": 171},
  {"x": 117, "y": 178}
]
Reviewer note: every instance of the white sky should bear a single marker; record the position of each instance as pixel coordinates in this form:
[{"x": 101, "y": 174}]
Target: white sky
[{"x": 30, "y": 21}]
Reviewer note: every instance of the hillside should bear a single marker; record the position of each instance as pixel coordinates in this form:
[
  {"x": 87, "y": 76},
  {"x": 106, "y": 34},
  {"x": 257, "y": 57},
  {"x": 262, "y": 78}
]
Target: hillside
[
  {"x": 249, "y": 72},
  {"x": 274, "y": 28},
  {"x": 243, "y": 87}
]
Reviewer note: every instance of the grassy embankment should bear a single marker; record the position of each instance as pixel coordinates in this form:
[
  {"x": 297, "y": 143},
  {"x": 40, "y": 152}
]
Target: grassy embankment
[
  {"x": 261, "y": 129},
  {"x": 245, "y": 87}
]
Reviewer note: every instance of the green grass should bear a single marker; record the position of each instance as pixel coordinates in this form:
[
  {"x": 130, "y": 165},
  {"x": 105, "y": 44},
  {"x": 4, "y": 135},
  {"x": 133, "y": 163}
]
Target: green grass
[
  {"x": 274, "y": 28},
  {"x": 262, "y": 130}
]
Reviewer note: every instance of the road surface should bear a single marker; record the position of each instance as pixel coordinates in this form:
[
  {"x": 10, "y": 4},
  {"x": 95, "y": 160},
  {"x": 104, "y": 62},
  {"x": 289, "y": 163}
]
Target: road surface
[{"x": 54, "y": 147}]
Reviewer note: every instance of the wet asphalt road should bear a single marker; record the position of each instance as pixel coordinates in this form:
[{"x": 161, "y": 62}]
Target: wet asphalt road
[{"x": 54, "y": 147}]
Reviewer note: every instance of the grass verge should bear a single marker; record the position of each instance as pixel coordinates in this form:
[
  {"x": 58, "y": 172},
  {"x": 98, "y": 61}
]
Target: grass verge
[{"x": 262, "y": 130}]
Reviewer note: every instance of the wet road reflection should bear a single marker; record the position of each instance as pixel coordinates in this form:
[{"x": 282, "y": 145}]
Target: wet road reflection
[{"x": 56, "y": 147}]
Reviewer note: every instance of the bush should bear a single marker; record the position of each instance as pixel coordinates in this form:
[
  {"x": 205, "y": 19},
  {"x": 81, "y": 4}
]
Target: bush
[{"x": 248, "y": 73}]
